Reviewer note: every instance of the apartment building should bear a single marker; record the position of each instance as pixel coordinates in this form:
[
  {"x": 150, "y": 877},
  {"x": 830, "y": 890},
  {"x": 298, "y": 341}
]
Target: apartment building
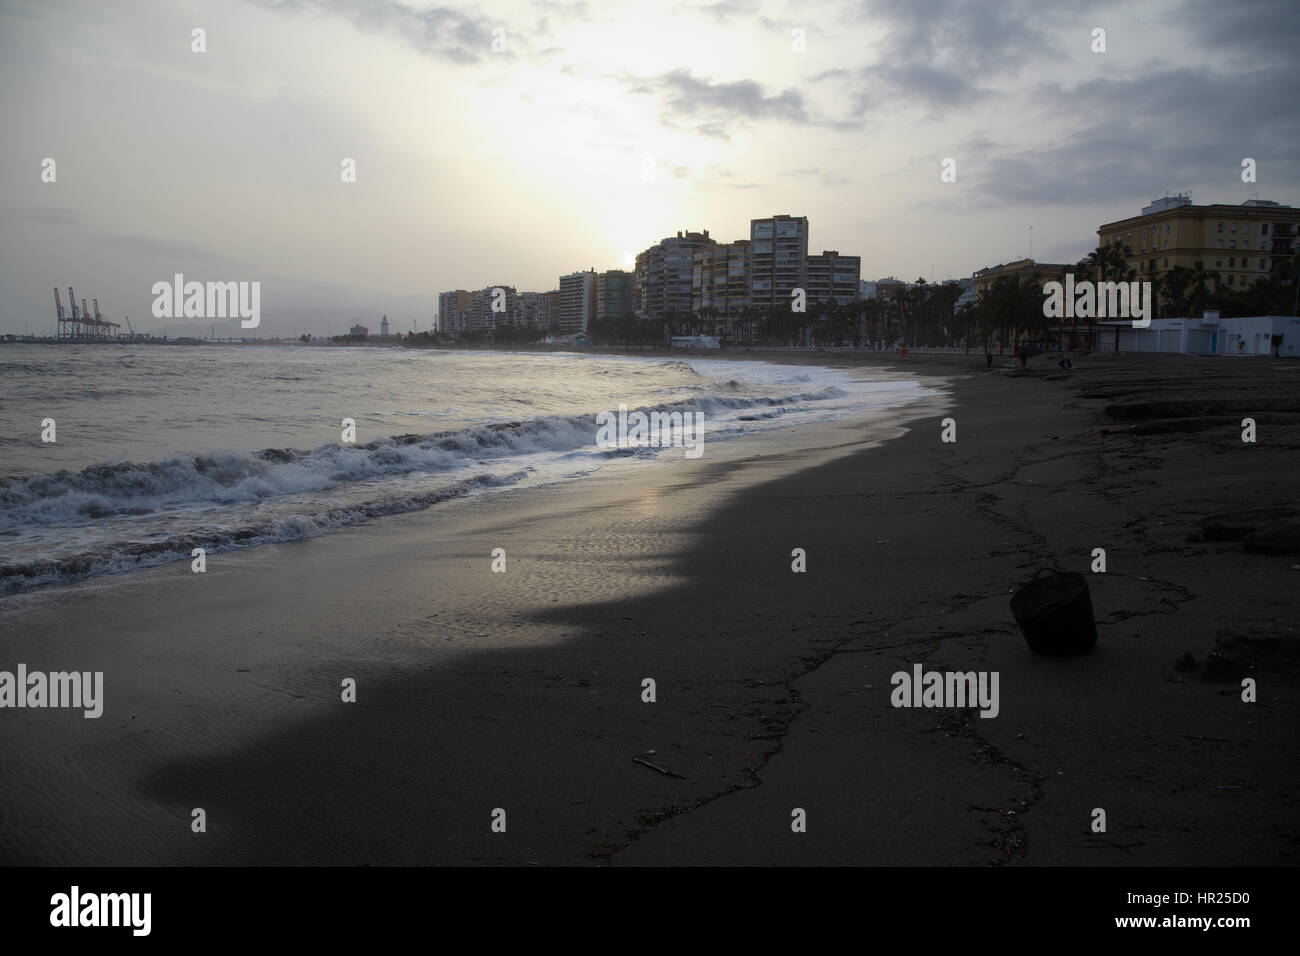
[
  {"x": 665, "y": 273},
  {"x": 453, "y": 312},
  {"x": 778, "y": 259},
  {"x": 614, "y": 294},
  {"x": 1243, "y": 243},
  {"x": 832, "y": 277},
  {"x": 577, "y": 301},
  {"x": 483, "y": 318},
  {"x": 1019, "y": 268},
  {"x": 720, "y": 277}
]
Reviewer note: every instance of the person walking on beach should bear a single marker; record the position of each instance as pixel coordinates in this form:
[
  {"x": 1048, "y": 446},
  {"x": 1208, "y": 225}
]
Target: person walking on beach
[{"x": 988, "y": 359}]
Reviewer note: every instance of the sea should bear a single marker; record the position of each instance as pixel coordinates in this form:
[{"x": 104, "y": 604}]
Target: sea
[{"x": 159, "y": 450}]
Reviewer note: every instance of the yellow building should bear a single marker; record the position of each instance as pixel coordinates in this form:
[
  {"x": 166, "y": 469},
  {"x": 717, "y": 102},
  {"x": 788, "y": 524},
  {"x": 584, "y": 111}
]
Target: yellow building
[
  {"x": 1242, "y": 243},
  {"x": 1026, "y": 268}
]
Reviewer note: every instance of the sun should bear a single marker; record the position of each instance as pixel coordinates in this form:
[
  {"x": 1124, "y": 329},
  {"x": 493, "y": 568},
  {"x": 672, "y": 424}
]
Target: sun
[{"x": 629, "y": 259}]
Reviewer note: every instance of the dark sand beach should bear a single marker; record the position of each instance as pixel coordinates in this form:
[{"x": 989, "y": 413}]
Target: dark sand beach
[{"x": 523, "y": 690}]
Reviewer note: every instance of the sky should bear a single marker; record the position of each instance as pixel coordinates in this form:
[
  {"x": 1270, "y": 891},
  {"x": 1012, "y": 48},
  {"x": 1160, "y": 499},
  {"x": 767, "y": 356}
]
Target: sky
[{"x": 507, "y": 143}]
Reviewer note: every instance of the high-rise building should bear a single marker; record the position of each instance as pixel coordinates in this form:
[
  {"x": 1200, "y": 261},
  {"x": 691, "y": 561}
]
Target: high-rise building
[
  {"x": 832, "y": 277},
  {"x": 548, "y": 310},
  {"x": 577, "y": 301},
  {"x": 720, "y": 277},
  {"x": 526, "y": 310},
  {"x": 778, "y": 259},
  {"x": 613, "y": 294},
  {"x": 664, "y": 274},
  {"x": 490, "y": 306},
  {"x": 1242, "y": 243},
  {"x": 453, "y": 312}
]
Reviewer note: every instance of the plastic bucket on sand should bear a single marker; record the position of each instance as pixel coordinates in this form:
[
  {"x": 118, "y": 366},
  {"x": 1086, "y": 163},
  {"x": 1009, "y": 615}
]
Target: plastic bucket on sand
[{"x": 1055, "y": 613}]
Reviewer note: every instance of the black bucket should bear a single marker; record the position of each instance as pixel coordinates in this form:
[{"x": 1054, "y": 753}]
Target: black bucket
[{"x": 1055, "y": 613}]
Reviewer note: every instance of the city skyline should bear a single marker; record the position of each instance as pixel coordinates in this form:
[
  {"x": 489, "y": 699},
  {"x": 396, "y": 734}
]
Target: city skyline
[{"x": 594, "y": 131}]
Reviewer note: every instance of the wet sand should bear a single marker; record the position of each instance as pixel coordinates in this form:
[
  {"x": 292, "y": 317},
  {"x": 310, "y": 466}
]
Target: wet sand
[{"x": 523, "y": 690}]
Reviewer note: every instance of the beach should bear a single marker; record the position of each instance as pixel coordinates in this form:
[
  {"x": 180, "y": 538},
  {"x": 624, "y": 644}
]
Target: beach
[{"x": 522, "y": 691}]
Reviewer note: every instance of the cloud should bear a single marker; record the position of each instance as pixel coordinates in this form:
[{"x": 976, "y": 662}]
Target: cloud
[
  {"x": 1130, "y": 139},
  {"x": 723, "y": 10},
  {"x": 50, "y": 216},
  {"x": 941, "y": 53},
  {"x": 1260, "y": 30},
  {"x": 172, "y": 249},
  {"x": 441, "y": 32},
  {"x": 712, "y": 109}
]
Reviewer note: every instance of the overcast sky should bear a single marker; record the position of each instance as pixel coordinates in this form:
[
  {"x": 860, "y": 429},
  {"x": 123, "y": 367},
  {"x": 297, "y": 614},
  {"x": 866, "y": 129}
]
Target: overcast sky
[{"x": 477, "y": 167}]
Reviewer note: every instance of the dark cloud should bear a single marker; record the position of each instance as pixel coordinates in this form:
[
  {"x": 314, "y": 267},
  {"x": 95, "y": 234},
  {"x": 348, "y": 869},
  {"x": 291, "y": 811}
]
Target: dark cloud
[
  {"x": 1131, "y": 139},
  {"x": 713, "y": 108},
  {"x": 941, "y": 53},
  {"x": 1260, "y": 30}
]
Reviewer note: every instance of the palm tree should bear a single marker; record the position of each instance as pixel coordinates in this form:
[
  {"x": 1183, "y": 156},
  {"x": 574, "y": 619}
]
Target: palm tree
[{"x": 1197, "y": 281}]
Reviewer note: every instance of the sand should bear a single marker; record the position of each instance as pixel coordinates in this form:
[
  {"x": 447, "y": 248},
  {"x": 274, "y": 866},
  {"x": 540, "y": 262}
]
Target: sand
[{"x": 523, "y": 691}]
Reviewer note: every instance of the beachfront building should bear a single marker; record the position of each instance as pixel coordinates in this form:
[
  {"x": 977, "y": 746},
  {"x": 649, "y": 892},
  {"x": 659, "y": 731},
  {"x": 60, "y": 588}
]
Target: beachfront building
[
  {"x": 490, "y": 306},
  {"x": 1019, "y": 269},
  {"x": 359, "y": 332},
  {"x": 832, "y": 277},
  {"x": 1207, "y": 335},
  {"x": 778, "y": 259},
  {"x": 1242, "y": 243},
  {"x": 720, "y": 278},
  {"x": 664, "y": 275},
  {"x": 577, "y": 301},
  {"x": 890, "y": 288},
  {"x": 613, "y": 294},
  {"x": 525, "y": 314},
  {"x": 453, "y": 312},
  {"x": 548, "y": 310}
]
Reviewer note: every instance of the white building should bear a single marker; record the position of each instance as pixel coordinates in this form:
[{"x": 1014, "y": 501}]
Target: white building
[
  {"x": 577, "y": 301},
  {"x": 1206, "y": 335}
]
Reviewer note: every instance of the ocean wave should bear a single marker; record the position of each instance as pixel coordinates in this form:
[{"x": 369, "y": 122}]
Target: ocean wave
[
  {"x": 133, "y": 555},
  {"x": 234, "y": 477}
]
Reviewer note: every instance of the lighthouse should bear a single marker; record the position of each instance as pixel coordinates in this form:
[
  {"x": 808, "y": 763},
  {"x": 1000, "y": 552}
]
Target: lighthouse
[{"x": 383, "y": 326}]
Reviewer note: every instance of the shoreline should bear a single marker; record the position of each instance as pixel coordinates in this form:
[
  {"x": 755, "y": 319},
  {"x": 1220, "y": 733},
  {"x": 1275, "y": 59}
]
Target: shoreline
[{"x": 761, "y": 673}]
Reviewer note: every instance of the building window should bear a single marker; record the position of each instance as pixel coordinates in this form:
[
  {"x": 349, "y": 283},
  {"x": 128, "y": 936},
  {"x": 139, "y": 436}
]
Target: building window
[
  {"x": 1169, "y": 227},
  {"x": 1166, "y": 263},
  {"x": 1144, "y": 233},
  {"x": 1220, "y": 227},
  {"x": 1234, "y": 228},
  {"x": 1261, "y": 264},
  {"x": 1232, "y": 243},
  {"x": 1220, "y": 243},
  {"x": 1218, "y": 263},
  {"x": 1245, "y": 227},
  {"x": 1230, "y": 280},
  {"x": 1263, "y": 229},
  {"x": 1232, "y": 262}
]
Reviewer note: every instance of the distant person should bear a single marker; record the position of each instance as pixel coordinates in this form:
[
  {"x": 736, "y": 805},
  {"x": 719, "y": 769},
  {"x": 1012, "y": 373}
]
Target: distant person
[
  {"x": 1065, "y": 364},
  {"x": 1024, "y": 359},
  {"x": 988, "y": 359}
]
